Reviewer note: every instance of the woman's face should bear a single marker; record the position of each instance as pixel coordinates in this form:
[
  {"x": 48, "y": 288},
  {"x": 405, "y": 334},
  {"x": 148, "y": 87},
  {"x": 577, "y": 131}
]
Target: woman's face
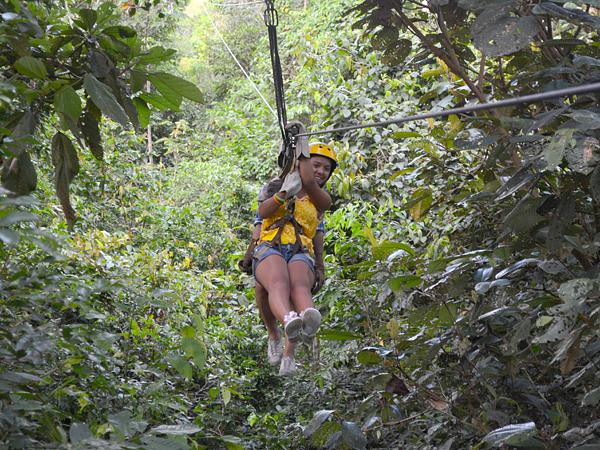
[{"x": 322, "y": 169}]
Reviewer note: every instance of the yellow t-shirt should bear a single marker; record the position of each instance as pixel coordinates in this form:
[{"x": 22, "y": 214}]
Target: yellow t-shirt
[{"x": 307, "y": 216}]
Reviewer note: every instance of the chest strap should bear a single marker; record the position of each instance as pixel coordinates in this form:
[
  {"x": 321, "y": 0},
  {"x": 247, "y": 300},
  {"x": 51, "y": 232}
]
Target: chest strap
[{"x": 280, "y": 225}]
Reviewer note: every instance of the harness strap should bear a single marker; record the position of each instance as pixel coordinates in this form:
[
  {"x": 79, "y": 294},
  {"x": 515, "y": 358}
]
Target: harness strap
[{"x": 280, "y": 225}]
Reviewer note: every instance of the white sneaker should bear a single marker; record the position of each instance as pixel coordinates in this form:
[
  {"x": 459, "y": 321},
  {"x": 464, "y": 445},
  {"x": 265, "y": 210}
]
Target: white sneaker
[
  {"x": 311, "y": 320},
  {"x": 293, "y": 329},
  {"x": 274, "y": 351},
  {"x": 287, "y": 367}
]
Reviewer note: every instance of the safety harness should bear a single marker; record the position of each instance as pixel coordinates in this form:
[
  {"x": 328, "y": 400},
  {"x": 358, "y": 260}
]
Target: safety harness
[{"x": 280, "y": 225}]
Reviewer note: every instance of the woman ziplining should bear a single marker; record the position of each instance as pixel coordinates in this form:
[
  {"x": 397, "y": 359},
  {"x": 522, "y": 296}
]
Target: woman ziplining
[{"x": 288, "y": 259}]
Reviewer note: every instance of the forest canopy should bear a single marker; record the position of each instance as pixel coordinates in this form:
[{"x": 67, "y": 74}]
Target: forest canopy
[{"x": 460, "y": 308}]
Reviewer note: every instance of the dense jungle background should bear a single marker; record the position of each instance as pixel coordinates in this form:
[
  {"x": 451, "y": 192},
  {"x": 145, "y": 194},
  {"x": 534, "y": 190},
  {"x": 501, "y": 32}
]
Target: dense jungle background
[{"x": 461, "y": 307}]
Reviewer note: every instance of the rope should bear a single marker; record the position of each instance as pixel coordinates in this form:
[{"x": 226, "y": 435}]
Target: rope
[
  {"x": 584, "y": 89},
  {"x": 271, "y": 21},
  {"x": 236, "y": 60}
]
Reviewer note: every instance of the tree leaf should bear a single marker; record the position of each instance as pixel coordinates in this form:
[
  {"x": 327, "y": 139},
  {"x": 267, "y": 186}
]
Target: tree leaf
[
  {"x": 194, "y": 349},
  {"x": 523, "y": 177},
  {"x": 171, "y": 86},
  {"x": 158, "y": 443},
  {"x": 104, "y": 99},
  {"x": 555, "y": 150},
  {"x": 182, "y": 366},
  {"x": 591, "y": 398},
  {"x": 523, "y": 217},
  {"x": 353, "y": 436},
  {"x": 9, "y": 237},
  {"x": 143, "y": 111},
  {"x": 156, "y": 55},
  {"x": 515, "y": 435},
  {"x": 31, "y": 67},
  {"x": 318, "y": 419},
  {"x": 18, "y": 174},
  {"x": 137, "y": 80},
  {"x": 383, "y": 250},
  {"x": 497, "y": 33},
  {"x": 88, "y": 17},
  {"x": 67, "y": 101},
  {"x": 91, "y": 132},
  {"x": 584, "y": 155},
  {"x": 66, "y": 166},
  {"x": 160, "y": 102},
  {"x": 17, "y": 216},
  {"x": 420, "y": 202},
  {"x": 176, "y": 430},
  {"x": 404, "y": 282},
  {"x": 338, "y": 335},
  {"x": 78, "y": 432},
  {"x": 369, "y": 357}
]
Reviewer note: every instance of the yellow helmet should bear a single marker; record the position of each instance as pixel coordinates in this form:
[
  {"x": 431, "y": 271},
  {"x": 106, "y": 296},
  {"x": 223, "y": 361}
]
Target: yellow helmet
[{"x": 318, "y": 148}]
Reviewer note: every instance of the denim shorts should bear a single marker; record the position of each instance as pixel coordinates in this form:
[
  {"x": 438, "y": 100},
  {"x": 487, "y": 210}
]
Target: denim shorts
[{"x": 285, "y": 251}]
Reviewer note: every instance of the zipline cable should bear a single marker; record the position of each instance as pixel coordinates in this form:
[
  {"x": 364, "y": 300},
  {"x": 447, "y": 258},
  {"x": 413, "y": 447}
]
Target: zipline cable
[
  {"x": 260, "y": 2},
  {"x": 584, "y": 89},
  {"x": 238, "y": 63}
]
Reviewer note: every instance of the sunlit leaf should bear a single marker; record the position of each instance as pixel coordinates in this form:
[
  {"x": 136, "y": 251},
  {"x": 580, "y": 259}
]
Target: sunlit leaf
[
  {"x": 318, "y": 419},
  {"x": 31, "y": 67}
]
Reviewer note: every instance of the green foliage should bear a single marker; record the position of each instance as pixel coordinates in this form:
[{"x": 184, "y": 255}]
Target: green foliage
[
  {"x": 460, "y": 308},
  {"x": 58, "y": 57}
]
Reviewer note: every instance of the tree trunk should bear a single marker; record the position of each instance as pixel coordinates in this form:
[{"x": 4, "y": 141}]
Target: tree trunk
[
  {"x": 148, "y": 134},
  {"x": 306, "y": 4}
]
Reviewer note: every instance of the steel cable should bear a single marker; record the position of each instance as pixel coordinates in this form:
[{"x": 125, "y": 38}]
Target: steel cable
[{"x": 577, "y": 90}]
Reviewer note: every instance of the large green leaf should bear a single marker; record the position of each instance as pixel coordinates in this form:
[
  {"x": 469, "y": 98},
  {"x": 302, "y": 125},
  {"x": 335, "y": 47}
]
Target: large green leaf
[
  {"x": 404, "y": 282},
  {"x": 156, "y": 55},
  {"x": 66, "y": 166},
  {"x": 143, "y": 111},
  {"x": 31, "y": 67},
  {"x": 555, "y": 151},
  {"x": 516, "y": 435},
  {"x": 353, "y": 436},
  {"x": 9, "y": 237},
  {"x": 182, "y": 366},
  {"x": 318, "y": 419},
  {"x": 171, "y": 87},
  {"x": 176, "y": 430},
  {"x": 497, "y": 33},
  {"x": 104, "y": 99},
  {"x": 338, "y": 335},
  {"x": 385, "y": 249},
  {"x": 420, "y": 202},
  {"x": 160, "y": 102},
  {"x": 66, "y": 101},
  {"x": 88, "y": 18},
  {"x": 91, "y": 131},
  {"x": 18, "y": 175},
  {"x": 195, "y": 349}
]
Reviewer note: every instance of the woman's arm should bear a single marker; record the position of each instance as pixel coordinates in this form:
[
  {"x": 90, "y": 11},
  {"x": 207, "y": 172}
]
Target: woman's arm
[
  {"x": 270, "y": 206},
  {"x": 319, "y": 197}
]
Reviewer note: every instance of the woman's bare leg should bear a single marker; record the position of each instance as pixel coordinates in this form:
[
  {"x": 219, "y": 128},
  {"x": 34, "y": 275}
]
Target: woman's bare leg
[{"x": 262, "y": 302}]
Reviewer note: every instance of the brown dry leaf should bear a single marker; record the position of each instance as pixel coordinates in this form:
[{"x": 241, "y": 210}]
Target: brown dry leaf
[
  {"x": 438, "y": 404},
  {"x": 568, "y": 364}
]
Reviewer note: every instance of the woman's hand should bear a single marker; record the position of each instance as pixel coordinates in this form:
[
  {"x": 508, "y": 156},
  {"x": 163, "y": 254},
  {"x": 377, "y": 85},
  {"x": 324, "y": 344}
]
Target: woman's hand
[{"x": 319, "y": 197}]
